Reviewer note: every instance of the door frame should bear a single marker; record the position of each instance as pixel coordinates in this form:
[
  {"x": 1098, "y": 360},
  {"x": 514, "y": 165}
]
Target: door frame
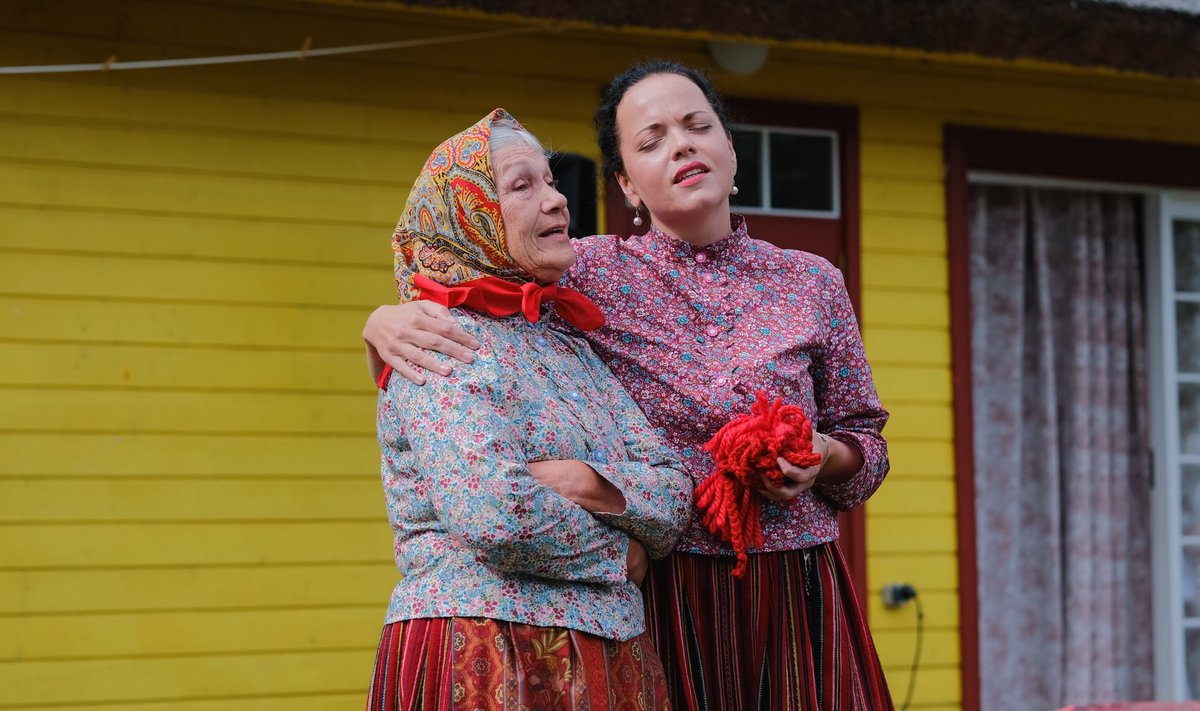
[{"x": 974, "y": 149}]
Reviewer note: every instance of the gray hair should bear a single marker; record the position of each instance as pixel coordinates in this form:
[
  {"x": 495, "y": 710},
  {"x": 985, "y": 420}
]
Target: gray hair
[{"x": 506, "y": 131}]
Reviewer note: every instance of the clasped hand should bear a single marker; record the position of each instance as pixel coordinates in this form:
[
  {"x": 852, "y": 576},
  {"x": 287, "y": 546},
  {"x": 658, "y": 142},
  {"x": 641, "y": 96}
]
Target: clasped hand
[{"x": 797, "y": 479}]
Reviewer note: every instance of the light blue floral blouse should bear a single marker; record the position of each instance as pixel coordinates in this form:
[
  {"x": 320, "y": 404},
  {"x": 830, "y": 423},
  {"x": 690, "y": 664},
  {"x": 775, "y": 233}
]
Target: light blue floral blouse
[{"x": 475, "y": 534}]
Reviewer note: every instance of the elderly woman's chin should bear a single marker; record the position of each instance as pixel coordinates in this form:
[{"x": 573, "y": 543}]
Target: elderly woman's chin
[{"x": 546, "y": 255}]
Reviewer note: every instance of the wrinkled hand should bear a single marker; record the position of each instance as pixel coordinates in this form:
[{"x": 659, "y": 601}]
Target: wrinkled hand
[
  {"x": 574, "y": 480},
  {"x": 637, "y": 562},
  {"x": 798, "y": 479},
  {"x": 403, "y": 336}
]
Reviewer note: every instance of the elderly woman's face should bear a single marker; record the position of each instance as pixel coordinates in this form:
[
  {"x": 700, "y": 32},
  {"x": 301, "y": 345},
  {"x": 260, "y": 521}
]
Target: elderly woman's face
[{"x": 534, "y": 212}]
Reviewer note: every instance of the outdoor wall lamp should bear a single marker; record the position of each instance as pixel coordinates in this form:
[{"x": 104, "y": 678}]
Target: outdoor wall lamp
[{"x": 737, "y": 57}]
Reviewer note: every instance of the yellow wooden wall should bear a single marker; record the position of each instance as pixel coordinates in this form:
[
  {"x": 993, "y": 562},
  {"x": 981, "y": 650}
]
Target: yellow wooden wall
[{"x": 189, "y": 503}]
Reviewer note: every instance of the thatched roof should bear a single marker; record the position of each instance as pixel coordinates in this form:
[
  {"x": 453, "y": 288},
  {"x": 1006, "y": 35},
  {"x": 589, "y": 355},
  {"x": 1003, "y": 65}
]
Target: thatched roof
[{"x": 1156, "y": 36}]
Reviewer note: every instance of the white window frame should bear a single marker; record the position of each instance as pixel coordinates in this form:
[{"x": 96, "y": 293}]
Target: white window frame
[
  {"x": 1169, "y": 622},
  {"x": 765, "y": 177},
  {"x": 1161, "y": 207}
]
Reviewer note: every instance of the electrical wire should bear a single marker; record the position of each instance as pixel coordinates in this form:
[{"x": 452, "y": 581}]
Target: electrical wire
[
  {"x": 912, "y": 677},
  {"x": 303, "y": 53}
]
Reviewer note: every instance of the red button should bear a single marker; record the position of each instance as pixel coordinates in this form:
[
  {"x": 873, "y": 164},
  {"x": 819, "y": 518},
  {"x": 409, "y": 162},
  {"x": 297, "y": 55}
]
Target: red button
[{"x": 701, "y": 257}]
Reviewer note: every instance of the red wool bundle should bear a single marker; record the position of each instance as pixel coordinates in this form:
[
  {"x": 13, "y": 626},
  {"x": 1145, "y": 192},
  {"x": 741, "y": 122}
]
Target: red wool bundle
[{"x": 745, "y": 448}]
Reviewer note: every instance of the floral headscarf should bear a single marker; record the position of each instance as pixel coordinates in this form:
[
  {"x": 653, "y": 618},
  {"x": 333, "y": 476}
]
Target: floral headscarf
[{"x": 451, "y": 230}]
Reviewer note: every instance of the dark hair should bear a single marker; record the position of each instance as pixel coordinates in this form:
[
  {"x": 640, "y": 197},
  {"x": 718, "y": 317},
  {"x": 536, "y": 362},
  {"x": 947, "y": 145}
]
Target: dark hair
[{"x": 606, "y": 114}]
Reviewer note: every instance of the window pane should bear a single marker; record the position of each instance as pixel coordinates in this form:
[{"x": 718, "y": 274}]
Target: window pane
[
  {"x": 748, "y": 145},
  {"x": 1189, "y": 418},
  {"x": 1192, "y": 663},
  {"x": 801, "y": 172},
  {"x": 1191, "y": 500},
  {"x": 1187, "y": 255},
  {"x": 1190, "y": 581},
  {"x": 1187, "y": 335}
]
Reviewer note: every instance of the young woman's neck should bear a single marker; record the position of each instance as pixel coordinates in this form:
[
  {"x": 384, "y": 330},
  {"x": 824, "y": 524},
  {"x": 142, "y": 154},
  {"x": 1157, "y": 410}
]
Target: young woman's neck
[{"x": 698, "y": 230}]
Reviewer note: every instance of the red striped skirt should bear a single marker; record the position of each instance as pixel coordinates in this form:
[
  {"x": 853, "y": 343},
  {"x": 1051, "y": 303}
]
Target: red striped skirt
[
  {"x": 462, "y": 663},
  {"x": 789, "y": 635}
]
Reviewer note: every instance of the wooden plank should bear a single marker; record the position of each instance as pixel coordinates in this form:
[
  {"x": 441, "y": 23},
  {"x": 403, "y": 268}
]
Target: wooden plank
[
  {"x": 895, "y": 307},
  {"x": 906, "y": 534},
  {"x": 164, "y": 501},
  {"x": 192, "y": 193},
  {"x": 918, "y": 420},
  {"x": 53, "y": 364},
  {"x": 68, "y": 141},
  {"x": 84, "y": 546},
  {"x": 939, "y": 648},
  {"x": 900, "y": 496},
  {"x": 189, "y": 280},
  {"x": 153, "y": 456},
  {"x": 918, "y": 126},
  {"x": 185, "y": 105},
  {"x": 929, "y": 572},
  {"x": 895, "y": 196},
  {"x": 920, "y": 458},
  {"x": 905, "y": 234},
  {"x": 912, "y": 383},
  {"x": 80, "y": 320},
  {"x": 941, "y": 612},
  {"x": 165, "y": 411},
  {"x": 146, "y": 233},
  {"x": 903, "y": 345},
  {"x": 195, "y": 589},
  {"x": 935, "y": 687},
  {"x": 84, "y": 682},
  {"x": 141, "y": 633},
  {"x": 907, "y": 160},
  {"x": 904, "y": 271}
]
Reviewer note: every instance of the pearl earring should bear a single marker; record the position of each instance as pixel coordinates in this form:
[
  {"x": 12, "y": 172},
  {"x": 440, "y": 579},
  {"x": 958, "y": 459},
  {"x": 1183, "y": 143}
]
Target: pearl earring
[
  {"x": 734, "y": 191},
  {"x": 637, "y": 216}
]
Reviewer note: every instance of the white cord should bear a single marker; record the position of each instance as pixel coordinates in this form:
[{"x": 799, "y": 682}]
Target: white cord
[{"x": 303, "y": 53}]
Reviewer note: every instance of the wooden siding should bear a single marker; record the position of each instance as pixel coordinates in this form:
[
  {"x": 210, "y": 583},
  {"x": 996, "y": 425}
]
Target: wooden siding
[{"x": 188, "y": 488}]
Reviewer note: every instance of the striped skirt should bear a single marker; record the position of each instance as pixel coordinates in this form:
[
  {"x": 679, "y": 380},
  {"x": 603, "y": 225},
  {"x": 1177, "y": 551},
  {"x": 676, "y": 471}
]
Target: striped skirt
[
  {"x": 789, "y": 635},
  {"x": 465, "y": 663}
]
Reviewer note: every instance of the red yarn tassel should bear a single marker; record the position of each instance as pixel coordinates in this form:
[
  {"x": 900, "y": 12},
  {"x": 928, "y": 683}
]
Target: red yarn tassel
[{"x": 746, "y": 448}]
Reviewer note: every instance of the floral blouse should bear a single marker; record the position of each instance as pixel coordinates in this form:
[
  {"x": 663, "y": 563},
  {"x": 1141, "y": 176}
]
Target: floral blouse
[
  {"x": 475, "y": 534},
  {"x": 693, "y": 332}
]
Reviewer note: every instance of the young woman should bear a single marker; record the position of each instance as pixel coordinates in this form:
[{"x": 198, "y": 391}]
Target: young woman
[{"x": 700, "y": 317}]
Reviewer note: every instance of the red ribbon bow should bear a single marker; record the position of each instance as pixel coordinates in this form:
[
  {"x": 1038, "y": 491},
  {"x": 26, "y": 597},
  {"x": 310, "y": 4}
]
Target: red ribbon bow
[{"x": 497, "y": 297}]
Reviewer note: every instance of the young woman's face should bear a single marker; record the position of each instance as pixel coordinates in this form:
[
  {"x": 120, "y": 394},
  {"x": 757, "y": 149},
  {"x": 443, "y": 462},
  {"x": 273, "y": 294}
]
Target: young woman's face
[
  {"x": 679, "y": 161},
  {"x": 534, "y": 212}
]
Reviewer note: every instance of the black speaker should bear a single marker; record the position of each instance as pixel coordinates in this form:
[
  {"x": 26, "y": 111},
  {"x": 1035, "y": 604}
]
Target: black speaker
[{"x": 576, "y": 177}]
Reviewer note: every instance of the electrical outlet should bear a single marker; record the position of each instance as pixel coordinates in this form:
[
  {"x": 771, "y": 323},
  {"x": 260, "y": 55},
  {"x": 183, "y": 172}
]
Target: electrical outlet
[{"x": 896, "y": 594}]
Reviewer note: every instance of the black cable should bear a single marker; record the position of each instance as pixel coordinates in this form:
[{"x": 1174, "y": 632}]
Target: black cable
[{"x": 912, "y": 677}]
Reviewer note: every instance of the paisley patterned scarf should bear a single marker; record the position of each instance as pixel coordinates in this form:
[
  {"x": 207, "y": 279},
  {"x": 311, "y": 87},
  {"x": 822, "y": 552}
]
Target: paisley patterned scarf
[{"x": 451, "y": 230}]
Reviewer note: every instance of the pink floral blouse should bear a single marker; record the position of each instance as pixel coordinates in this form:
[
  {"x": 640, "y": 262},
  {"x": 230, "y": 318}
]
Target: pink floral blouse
[
  {"x": 693, "y": 332},
  {"x": 475, "y": 534}
]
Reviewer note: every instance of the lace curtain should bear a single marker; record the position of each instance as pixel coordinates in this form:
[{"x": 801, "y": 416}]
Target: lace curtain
[{"x": 1061, "y": 466}]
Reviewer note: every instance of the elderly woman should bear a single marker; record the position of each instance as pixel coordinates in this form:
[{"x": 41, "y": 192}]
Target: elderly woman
[{"x": 514, "y": 596}]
